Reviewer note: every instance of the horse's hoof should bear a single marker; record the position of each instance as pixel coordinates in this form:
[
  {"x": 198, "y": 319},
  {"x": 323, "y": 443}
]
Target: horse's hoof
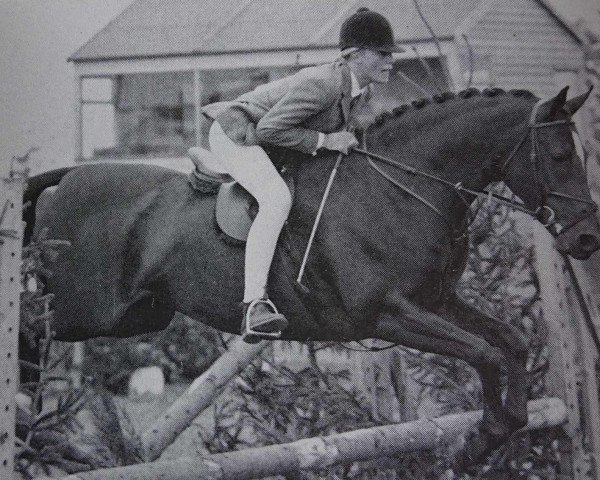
[
  {"x": 498, "y": 426},
  {"x": 475, "y": 446},
  {"x": 468, "y": 450},
  {"x": 516, "y": 422},
  {"x": 496, "y": 433}
]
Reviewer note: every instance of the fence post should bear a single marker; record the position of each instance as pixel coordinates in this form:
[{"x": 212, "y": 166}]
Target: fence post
[
  {"x": 572, "y": 356},
  {"x": 11, "y": 232}
]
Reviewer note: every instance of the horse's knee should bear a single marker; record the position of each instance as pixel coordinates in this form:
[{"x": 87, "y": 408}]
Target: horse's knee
[
  {"x": 517, "y": 341},
  {"x": 488, "y": 356}
]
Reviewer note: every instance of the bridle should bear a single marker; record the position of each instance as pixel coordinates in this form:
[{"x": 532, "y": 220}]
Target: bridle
[
  {"x": 539, "y": 213},
  {"x": 536, "y": 164}
]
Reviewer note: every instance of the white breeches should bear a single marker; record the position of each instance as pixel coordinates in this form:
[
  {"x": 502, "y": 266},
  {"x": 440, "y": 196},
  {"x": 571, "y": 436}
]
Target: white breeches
[{"x": 251, "y": 167}]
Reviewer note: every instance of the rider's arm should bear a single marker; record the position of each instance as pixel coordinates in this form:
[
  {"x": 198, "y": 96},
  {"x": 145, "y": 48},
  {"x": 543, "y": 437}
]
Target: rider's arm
[{"x": 283, "y": 123}]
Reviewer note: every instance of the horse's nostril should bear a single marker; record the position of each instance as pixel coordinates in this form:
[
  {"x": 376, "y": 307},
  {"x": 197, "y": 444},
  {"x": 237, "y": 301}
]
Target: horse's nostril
[{"x": 589, "y": 242}]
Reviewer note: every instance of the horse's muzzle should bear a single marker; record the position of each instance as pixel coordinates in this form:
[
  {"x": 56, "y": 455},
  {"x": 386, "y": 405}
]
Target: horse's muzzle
[
  {"x": 588, "y": 244},
  {"x": 579, "y": 243}
]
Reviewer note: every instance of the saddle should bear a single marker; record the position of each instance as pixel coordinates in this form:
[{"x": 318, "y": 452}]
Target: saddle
[{"x": 235, "y": 208}]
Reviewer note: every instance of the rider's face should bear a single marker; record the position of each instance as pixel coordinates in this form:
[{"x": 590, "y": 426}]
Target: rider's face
[{"x": 374, "y": 66}]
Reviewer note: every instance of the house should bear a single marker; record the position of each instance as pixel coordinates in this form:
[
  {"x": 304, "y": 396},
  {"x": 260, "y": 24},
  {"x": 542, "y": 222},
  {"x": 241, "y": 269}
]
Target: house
[{"x": 142, "y": 80}]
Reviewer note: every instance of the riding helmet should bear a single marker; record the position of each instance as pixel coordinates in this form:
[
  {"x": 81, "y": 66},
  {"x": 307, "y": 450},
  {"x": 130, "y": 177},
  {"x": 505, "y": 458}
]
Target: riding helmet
[{"x": 368, "y": 29}]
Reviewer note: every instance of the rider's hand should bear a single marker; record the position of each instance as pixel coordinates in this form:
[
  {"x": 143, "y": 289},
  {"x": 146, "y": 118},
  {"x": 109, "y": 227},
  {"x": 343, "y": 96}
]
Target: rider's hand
[{"x": 340, "y": 141}]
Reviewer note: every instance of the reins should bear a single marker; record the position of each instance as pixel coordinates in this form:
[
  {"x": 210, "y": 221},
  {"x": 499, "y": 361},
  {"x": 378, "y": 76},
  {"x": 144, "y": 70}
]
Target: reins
[{"x": 457, "y": 187}]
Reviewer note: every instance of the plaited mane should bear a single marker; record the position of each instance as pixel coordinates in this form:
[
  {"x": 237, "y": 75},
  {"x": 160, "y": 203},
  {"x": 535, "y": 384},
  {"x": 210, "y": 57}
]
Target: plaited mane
[{"x": 446, "y": 96}]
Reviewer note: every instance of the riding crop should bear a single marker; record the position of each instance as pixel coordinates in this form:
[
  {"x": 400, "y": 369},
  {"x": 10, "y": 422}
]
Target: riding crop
[{"x": 316, "y": 224}]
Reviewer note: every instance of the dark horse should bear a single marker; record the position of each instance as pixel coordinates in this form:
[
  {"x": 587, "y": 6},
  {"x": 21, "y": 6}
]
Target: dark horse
[{"x": 384, "y": 264}]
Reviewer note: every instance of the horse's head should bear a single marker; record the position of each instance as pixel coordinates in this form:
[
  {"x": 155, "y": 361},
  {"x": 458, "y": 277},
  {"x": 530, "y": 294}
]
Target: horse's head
[{"x": 545, "y": 170}]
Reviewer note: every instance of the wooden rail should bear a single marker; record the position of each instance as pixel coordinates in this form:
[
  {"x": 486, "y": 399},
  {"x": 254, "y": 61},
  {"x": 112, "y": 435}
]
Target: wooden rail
[
  {"x": 321, "y": 452},
  {"x": 200, "y": 395},
  {"x": 570, "y": 312}
]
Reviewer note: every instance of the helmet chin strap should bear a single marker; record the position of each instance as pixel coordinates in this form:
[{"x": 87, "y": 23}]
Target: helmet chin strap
[{"x": 347, "y": 51}]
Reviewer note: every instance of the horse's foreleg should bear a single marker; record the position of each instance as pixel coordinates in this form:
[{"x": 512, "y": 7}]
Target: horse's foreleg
[
  {"x": 513, "y": 343},
  {"x": 404, "y": 322},
  {"x": 502, "y": 334}
]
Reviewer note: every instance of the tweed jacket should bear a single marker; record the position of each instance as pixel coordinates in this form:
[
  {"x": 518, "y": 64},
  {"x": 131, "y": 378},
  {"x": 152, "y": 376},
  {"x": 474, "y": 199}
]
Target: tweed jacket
[{"x": 291, "y": 112}]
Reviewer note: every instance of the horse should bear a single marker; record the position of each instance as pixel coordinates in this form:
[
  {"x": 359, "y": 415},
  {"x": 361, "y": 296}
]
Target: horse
[{"x": 390, "y": 248}]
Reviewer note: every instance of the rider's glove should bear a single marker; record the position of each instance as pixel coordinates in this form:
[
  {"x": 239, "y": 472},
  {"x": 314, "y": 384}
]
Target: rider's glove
[{"x": 340, "y": 141}]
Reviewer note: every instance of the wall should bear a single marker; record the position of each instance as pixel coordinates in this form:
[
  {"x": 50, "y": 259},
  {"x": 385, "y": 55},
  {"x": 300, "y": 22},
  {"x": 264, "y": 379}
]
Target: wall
[
  {"x": 152, "y": 115},
  {"x": 520, "y": 45}
]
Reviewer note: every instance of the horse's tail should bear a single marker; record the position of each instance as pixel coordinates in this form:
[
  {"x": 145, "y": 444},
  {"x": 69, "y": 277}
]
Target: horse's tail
[{"x": 35, "y": 186}]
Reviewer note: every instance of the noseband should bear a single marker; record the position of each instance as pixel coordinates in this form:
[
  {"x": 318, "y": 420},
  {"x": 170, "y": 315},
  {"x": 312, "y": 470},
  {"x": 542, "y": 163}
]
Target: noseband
[{"x": 539, "y": 213}]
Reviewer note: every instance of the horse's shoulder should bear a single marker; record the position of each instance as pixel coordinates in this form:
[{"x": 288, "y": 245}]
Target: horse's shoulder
[{"x": 283, "y": 157}]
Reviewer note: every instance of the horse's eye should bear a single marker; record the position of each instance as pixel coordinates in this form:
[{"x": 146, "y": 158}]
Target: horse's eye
[{"x": 561, "y": 155}]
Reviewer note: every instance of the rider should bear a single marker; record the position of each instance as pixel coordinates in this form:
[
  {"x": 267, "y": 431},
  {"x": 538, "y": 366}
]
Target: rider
[{"x": 307, "y": 111}]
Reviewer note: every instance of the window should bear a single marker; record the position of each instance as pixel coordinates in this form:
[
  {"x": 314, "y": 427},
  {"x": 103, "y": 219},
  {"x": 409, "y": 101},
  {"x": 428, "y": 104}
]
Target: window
[
  {"x": 98, "y": 115},
  {"x": 223, "y": 85},
  {"x": 154, "y": 114},
  {"x": 147, "y": 115}
]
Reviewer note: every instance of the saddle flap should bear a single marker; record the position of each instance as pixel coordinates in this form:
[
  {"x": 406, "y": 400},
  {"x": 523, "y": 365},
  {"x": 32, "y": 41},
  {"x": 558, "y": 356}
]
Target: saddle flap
[
  {"x": 208, "y": 166},
  {"x": 232, "y": 211},
  {"x": 236, "y": 209}
]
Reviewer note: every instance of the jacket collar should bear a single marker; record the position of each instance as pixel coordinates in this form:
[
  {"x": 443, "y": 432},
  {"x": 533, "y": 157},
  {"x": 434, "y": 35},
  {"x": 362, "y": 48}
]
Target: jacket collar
[
  {"x": 346, "y": 90},
  {"x": 350, "y": 89},
  {"x": 355, "y": 89}
]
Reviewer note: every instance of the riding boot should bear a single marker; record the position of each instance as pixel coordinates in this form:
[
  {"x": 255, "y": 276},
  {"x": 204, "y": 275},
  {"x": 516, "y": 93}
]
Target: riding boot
[{"x": 262, "y": 321}]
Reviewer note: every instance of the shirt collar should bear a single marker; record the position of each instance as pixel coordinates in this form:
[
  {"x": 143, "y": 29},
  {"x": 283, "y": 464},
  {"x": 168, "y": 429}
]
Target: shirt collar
[{"x": 355, "y": 89}]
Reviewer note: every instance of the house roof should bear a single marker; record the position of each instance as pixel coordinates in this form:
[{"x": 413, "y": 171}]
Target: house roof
[
  {"x": 155, "y": 28},
  {"x": 550, "y": 5}
]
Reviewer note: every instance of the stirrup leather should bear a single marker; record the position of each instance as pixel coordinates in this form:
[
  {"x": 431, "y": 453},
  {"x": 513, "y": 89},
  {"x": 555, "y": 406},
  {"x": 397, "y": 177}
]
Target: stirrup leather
[{"x": 249, "y": 331}]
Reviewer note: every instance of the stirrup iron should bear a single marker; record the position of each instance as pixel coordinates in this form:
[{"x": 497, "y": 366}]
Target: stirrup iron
[{"x": 249, "y": 331}]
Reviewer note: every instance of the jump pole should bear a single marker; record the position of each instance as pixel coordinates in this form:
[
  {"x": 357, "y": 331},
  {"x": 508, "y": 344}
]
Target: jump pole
[
  {"x": 11, "y": 234},
  {"x": 321, "y": 452},
  {"x": 199, "y": 395}
]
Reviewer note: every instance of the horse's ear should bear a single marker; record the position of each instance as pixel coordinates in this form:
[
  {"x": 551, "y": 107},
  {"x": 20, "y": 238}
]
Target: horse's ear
[
  {"x": 555, "y": 104},
  {"x": 575, "y": 103}
]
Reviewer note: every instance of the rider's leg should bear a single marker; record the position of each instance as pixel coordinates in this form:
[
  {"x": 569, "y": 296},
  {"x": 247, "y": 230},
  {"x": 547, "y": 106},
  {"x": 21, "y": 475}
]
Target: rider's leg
[{"x": 252, "y": 168}]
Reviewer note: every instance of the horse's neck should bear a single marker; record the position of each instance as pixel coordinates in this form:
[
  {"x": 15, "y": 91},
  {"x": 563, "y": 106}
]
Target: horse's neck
[{"x": 461, "y": 143}]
